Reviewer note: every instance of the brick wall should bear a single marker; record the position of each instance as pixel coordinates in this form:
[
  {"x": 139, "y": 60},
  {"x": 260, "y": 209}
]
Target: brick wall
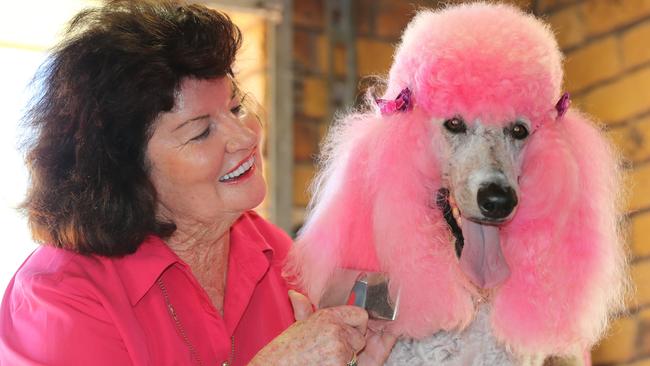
[{"x": 607, "y": 68}]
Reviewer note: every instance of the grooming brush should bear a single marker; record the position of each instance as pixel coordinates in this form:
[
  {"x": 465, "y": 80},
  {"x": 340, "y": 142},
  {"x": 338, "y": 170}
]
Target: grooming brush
[{"x": 368, "y": 290}]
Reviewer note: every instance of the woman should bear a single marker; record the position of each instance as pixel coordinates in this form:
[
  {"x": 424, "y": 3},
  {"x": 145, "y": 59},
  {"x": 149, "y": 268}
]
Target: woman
[{"x": 144, "y": 167}]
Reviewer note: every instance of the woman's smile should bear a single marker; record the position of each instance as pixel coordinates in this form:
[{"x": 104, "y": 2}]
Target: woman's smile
[{"x": 241, "y": 171}]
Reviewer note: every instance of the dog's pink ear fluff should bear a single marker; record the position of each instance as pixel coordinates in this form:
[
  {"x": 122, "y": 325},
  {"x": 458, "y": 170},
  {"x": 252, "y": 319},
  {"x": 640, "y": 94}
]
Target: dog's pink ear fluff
[
  {"x": 563, "y": 246},
  {"x": 338, "y": 232},
  {"x": 374, "y": 210}
]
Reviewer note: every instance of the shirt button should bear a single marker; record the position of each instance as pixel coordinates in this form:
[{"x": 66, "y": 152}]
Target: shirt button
[{"x": 225, "y": 363}]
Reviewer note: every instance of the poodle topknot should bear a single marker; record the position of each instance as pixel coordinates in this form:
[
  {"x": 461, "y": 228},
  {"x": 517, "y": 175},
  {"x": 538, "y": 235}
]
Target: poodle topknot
[
  {"x": 373, "y": 206},
  {"x": 487, "y": 61}
]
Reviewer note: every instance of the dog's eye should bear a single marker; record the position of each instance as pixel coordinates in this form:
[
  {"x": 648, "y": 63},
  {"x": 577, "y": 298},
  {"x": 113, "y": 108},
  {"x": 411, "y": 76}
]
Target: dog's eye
[
  {"x": 455, "y": 125},
  {"x": 519, "y": 131}
]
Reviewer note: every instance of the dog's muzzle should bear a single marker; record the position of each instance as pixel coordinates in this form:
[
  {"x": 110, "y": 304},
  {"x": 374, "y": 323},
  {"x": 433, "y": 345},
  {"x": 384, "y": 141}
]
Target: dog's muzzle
[
  {"x": 477, "y": 246},
  {"x": 496, "y": 202}
]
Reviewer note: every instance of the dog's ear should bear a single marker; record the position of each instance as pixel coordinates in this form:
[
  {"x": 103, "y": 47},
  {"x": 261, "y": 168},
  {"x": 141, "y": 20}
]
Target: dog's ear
[
  {"x": 374, "y": 209},
  {"x": 564, "y": 245},
  {"x": 338, "y": 231}
]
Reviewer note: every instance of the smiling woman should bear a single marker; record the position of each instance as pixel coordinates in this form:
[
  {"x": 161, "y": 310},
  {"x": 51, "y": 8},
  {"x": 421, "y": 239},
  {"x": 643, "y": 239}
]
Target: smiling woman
[{"x": 23, "y": 46}]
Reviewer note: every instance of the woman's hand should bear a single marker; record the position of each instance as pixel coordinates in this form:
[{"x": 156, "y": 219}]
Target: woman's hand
[
  {"x": 379, "y": 343},
  {"x": 331, "y": 336}
]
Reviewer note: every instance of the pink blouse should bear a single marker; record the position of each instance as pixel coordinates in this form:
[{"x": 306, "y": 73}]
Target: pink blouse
[{"x": 63, "y": 308}]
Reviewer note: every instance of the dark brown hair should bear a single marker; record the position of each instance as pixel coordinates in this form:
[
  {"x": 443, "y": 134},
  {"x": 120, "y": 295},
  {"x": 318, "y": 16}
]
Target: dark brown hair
[{"x": 118, "y": 68}]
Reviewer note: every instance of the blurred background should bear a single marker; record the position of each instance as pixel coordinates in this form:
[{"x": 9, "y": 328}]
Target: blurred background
[{"x": 303, "y": 60}]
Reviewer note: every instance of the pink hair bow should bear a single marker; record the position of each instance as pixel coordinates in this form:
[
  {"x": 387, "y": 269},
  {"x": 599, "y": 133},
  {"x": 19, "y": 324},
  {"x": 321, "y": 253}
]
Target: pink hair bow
[
  {"x": 563, "y": 104},
  {"x": 401, "y": 103}
]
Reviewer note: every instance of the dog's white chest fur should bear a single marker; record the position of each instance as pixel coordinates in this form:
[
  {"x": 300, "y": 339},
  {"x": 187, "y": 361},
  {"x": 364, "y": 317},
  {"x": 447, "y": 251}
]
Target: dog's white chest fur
[{"x": 474, "y": 346}]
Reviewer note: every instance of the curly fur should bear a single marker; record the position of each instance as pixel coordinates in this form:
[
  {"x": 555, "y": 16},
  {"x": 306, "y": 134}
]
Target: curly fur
[{"x": 373, "y": 209}]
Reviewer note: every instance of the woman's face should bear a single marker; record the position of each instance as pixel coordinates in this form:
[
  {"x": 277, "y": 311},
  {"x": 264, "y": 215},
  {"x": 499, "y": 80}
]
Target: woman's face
[{"x": 204, "y": 155}]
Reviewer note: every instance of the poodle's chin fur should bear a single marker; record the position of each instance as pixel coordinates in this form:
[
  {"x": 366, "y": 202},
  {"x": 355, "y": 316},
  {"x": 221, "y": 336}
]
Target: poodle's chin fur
[{"x": 373, "y": 201}]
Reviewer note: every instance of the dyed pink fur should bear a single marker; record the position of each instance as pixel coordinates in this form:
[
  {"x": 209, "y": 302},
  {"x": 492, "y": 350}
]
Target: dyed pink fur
[{"x": 373, "y": 206}]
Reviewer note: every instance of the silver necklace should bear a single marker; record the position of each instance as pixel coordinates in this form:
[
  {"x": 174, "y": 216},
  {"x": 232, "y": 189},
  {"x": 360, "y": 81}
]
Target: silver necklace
[{"x": 183, "y": 334}]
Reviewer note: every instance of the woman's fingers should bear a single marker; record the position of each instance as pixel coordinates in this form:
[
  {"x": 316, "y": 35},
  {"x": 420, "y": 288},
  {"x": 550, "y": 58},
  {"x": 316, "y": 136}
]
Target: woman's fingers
[
  {"x": 351, "y": 322},
  {"x": 350, "y": 315},
  {"x": 331, "y": 336},
  {"x": 355, "y": 338},
  {"x": 379, "y": 343},
  {"x": 302, "y": 307},
  {"x": 354, "y": 321},
  {"x": 353, "y": 316}
]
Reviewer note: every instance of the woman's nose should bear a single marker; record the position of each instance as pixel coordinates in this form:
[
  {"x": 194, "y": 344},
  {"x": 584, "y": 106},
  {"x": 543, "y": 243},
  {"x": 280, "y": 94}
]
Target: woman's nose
[{"x": 241, "y": 136}]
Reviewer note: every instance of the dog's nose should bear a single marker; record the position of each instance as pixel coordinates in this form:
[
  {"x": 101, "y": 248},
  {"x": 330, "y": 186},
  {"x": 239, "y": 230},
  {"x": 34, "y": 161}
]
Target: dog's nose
[{"x": 495, "y": 201}]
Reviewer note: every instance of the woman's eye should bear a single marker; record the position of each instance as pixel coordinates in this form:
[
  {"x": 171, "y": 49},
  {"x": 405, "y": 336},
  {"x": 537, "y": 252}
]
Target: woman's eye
[
  {"x": 238, "y": 110},
  {"x": 202, "y": 136},
  {"x": 455, "y": 125},
  {"x": 519, "y": 131}
]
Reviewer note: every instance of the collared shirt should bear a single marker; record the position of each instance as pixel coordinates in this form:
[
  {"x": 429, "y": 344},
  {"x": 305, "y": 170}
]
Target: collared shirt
[{"x": 62, "y": 308}]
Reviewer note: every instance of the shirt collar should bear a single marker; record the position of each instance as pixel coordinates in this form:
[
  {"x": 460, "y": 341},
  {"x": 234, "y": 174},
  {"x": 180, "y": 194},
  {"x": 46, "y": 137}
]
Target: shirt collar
[
  {"x": 245, "y": 238},
  {"x": 250, "y": 259},
  {"x": 140, "y": 270}
]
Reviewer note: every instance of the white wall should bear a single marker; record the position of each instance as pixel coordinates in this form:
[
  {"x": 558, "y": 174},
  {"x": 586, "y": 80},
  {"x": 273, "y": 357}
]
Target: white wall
[
  {"x": 15, "y": 244},
  {"x": 27, "y": 29}
]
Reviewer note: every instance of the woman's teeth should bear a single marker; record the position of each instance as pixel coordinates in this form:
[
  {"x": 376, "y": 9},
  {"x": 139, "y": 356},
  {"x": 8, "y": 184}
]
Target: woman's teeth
[{"x": 243, "y": 168}]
